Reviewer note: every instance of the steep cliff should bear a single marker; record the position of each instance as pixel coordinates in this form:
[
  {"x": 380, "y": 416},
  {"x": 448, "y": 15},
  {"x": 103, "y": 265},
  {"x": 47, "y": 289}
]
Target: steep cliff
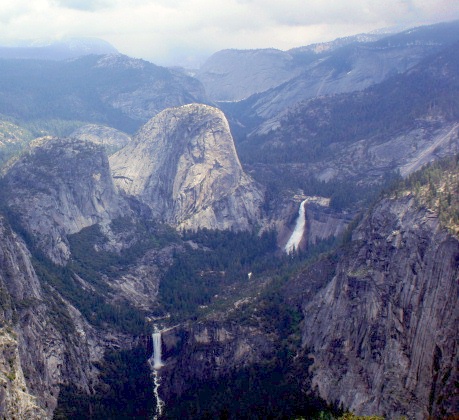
[
  {"x": 184, "y": 166},
  {"x": 240, "y": 363},
  {"x": 210, "y": 350},
  {"x": 44, "y": 341},
  {"x": 383, "y": 332},
  {"x": 59, "y": 187}
]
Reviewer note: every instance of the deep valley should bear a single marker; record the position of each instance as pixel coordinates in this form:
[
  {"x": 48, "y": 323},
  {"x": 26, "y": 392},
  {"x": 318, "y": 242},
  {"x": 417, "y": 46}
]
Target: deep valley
[{"x": 274, "y": 235}]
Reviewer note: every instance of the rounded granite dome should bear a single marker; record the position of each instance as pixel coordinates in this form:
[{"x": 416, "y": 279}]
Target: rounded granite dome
[{"x": 184, "y": 166}]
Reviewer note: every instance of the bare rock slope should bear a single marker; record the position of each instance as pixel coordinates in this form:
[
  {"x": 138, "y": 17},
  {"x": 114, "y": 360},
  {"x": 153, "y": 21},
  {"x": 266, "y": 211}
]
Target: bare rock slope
[
  {"x": 383, "y": 332},
  {"x": 39, "y": 350},
  {"x": 184, "y": 166},
  {"x": 59, "y": 187}
]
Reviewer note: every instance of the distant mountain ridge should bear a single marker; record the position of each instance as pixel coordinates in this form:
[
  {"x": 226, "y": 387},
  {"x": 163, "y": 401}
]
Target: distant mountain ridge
[
  {"x": 63, "y": 49},
  {"x": 269, "y": 81},
  {"x": 113, "y": 90},
  {"x": 345, "y": 146}
]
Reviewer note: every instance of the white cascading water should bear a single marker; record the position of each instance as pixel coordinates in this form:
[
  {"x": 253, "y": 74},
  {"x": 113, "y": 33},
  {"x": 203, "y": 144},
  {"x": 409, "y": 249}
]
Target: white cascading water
[
  {"x": 297, "y": 234},
  {"x": 156, "y": 364}
]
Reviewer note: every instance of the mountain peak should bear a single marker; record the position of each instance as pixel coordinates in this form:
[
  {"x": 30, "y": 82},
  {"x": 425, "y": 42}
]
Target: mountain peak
[
  {"x": 59, "y": 187},
  {"x": 184, "y": 166}
]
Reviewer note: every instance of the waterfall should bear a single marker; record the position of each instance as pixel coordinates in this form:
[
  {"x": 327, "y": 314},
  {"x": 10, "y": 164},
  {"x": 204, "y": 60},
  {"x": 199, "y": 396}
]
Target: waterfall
[
  {"x": 156, "y": 364},
  {"x": 297, "y": 234}
]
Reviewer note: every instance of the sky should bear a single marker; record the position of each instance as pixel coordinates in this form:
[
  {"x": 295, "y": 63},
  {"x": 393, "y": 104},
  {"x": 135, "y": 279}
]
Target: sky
[{"x": 185, "y": 32}]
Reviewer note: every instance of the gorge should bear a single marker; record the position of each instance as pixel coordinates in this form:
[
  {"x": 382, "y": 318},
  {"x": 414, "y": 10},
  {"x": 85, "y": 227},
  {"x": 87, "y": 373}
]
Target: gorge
[{"x": 124, "y": 255}]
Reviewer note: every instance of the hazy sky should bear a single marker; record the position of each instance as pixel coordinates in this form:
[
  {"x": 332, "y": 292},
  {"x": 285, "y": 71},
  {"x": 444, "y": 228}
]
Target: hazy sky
[{"x": 185, "y": 31}]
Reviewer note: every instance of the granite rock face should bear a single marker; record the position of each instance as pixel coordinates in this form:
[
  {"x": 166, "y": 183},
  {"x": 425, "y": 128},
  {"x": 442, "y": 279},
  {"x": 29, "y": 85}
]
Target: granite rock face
[
  {"x": 383, "y": 332},
  {"x": 37, "y": 353},
  {"x": 59, "y": 187},
  {"x": 207, "y": 351},
  {"x": 184, "y": 166}
]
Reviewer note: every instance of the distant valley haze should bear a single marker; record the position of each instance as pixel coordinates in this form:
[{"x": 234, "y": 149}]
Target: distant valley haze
[{"x": 186, "y": 32}]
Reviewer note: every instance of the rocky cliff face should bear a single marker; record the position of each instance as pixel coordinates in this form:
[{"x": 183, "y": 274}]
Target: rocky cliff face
[
  {"x": 324, "y": 223},
  {"x": 18, "y": 283},
  {"x": 209, "y": 350},
  {"x": 383, "y": 332},
  {"x": 44, "y": 341},
  {"x": 59, "y": 187},
  {"x": 184, "y": 166}
]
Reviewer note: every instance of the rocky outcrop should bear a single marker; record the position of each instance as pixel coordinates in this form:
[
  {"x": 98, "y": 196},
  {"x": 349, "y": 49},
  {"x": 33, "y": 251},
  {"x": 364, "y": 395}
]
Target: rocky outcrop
[
  {"x": 321, "y": 221},
  {"x": 140, "y": 284},
  {"x": 324, "y": 223},
  {"x": 383, "y": 332},
  {"x": 111, "y": 138},
  {"x": 406, "y": 152},
  {"x": 18, "y": 284},
  {"x": 59, "y": 187},
  {"x": 184, "y": 166},
  {"x": 15, "y": 399},
  {"x": 44, "y": 341}
]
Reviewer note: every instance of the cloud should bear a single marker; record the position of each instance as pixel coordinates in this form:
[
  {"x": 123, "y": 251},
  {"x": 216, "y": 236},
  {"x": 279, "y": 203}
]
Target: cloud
[
  {"x": 84, "y": 5},
  {"x": 168, "y": 31}
]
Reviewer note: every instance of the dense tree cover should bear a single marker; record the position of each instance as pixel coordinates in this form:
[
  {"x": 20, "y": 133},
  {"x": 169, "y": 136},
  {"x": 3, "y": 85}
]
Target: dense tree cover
[
  {"x": 263, "y": 391},
  {"x": 220, "y": 258},
  {"x": 125, "y": 391},
  {"x": 143, "y": 235}
]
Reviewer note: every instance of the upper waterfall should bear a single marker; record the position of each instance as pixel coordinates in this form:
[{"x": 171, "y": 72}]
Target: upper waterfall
[{"x": 298, "y": 232}]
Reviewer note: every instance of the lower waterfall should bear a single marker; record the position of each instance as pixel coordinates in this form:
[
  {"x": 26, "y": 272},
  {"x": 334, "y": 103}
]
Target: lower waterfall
[
  {"x": 156, "y": 364},
  {"x": 297, "y": 234}
]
